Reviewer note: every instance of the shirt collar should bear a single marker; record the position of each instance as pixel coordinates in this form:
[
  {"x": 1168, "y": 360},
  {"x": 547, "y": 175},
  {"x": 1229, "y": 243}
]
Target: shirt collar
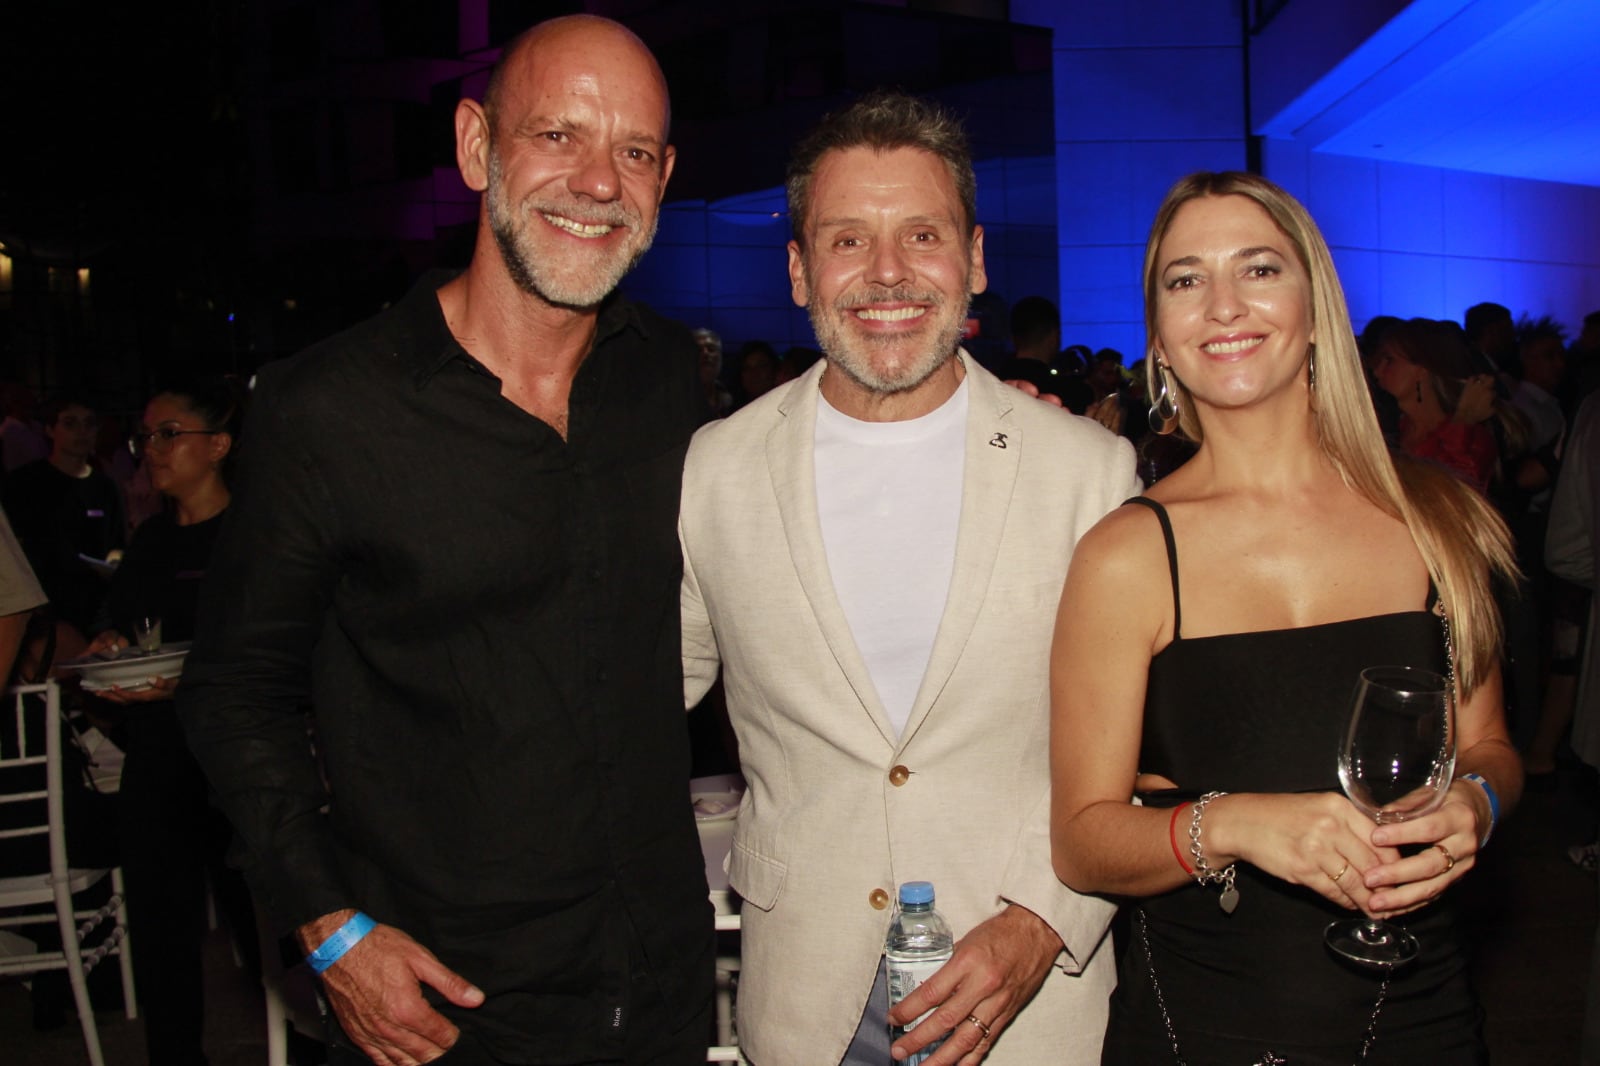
[{"x": 423, "y": 319}]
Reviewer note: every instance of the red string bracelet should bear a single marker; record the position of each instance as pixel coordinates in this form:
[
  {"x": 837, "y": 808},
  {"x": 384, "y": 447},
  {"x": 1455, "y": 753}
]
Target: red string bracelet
[{"x": 1172, "y": 838}]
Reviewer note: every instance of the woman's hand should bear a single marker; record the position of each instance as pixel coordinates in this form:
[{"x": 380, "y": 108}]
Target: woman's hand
[
  {"x": 107, "y": 643},
  {"x": 1476, "y": 402},
  {"x": 1451, "y": 833},
  {"x": 159, "y": 688},
  {"x": 1319, "y": 840}
]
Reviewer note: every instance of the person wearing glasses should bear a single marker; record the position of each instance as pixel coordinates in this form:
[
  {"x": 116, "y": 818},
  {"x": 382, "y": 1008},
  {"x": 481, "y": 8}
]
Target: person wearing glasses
[
  {"x": 169, "y": 833},
  {"x": 66, "y": 511}
]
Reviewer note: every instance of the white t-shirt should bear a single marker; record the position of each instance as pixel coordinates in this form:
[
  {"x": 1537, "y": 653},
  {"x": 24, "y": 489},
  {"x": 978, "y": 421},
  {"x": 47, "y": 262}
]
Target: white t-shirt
[
  {"x": 19, "y": 589},
  {"x": 889, "y": 500}
]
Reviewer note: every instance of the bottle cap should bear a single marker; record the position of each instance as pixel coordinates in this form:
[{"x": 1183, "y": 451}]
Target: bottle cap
[{"x": 916, "y": 892}]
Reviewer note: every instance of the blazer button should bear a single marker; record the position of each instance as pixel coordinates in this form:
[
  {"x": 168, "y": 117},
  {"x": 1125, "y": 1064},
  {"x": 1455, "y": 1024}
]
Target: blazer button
[
  {"x": 878, "y": 898},
  {"x": 899, "y": 776}
]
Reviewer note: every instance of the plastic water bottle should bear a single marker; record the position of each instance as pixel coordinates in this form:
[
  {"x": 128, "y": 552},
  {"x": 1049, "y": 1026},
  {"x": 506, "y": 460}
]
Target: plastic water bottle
[{"x": 919, "y": 943}]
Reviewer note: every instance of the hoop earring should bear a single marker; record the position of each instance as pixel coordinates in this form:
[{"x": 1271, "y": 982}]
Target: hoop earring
[
  {"x": 1311, "y": 368},
  {"x": 1164, "y": 410}
]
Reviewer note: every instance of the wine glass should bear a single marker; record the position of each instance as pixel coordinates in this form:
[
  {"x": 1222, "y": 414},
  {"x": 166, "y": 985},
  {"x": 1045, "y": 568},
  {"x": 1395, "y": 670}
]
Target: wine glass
[{"x": 1396, "y": 761}]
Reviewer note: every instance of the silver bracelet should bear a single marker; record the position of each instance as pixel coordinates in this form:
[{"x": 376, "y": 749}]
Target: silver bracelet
[{"x": 1204, "y": 873}]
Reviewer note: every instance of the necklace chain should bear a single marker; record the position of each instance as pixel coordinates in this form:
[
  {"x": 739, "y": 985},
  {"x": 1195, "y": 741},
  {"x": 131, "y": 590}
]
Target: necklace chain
[
  {"x": 1268, "y": 1059},
  {"x": 1370, "y": 1036}
]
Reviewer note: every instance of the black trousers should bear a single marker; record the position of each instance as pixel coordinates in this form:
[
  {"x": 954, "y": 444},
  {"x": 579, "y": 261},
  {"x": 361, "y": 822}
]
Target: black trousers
[
  {"x": 652, "y": 1040},
  {"x": 170, "y": 837}
]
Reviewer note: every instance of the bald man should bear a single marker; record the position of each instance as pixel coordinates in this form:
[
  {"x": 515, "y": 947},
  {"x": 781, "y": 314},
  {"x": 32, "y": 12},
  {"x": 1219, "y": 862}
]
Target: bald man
[{"x": 455, "y": 545}]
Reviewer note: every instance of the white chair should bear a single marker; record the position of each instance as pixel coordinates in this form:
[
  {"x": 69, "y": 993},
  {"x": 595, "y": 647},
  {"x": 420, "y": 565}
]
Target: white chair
[
  {"x": 726, "y": 1049},
  {"x": 45, "y": 897},
  {"x": 716, "y": 840},
  {"x": 290, "y": 996},
  {"x": 727, "y": 921}
]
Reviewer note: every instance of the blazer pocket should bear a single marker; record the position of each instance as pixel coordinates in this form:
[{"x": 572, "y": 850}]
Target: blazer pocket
[{"x": 757, "y": 878}]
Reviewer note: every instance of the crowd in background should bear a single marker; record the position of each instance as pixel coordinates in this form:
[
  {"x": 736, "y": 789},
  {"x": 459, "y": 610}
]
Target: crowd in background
[
  {"x": 116, "y": 519},
  {"x": 1492, "y": 399}
]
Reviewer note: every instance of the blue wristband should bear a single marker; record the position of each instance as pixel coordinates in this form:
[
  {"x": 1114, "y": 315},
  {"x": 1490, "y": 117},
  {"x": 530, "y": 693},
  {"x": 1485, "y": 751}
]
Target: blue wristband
[
  {"x": 340, "y": 941},
  {"x": 1494, "y": 803}
]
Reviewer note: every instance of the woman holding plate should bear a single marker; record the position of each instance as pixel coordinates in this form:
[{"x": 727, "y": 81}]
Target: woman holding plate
[
  {"x": 170, "y": 834},
  {"x": 1207, "y": 648}
]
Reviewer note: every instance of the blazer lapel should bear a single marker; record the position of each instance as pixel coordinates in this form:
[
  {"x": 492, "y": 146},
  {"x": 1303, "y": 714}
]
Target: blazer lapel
[
  {"x": 994, "y": 448},
  {"x": 791, "y": 463}
]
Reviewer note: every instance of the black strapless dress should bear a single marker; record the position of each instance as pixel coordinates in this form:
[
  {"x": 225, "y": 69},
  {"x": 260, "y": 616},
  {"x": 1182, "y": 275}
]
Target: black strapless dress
[{"x": 1263, "y": 712}]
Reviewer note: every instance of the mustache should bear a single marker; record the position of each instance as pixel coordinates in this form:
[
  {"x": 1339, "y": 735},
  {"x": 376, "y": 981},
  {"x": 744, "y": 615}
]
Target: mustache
[
  {"x": 854, "y": 301},
  {"x": 591, "y": 214}
]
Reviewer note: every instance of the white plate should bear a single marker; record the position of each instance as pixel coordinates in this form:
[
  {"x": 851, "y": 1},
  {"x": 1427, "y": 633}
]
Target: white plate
[
  {"x": 715, "y": 806},
  {"x": 131, "y": 670},
  {"x": 103, "y": 567}
]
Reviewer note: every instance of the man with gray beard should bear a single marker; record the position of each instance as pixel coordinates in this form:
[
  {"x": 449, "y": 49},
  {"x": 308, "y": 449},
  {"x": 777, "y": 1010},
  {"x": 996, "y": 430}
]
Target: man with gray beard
[
  {"x": 873, "y": 555},
  {"x": 453, "y": 545}
]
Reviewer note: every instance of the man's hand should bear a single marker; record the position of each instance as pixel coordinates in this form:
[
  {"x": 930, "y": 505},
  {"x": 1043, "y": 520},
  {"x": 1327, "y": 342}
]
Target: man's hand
[
  {"x": 994, "y": 972},
  {"x": 375, "y": 993}
]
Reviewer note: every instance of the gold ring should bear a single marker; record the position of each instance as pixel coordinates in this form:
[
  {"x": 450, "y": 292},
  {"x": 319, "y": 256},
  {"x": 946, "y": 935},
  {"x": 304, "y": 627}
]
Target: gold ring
[
  {"x": 973, "y": 1018},
  {"x": 1449, "y": 859},
  {"x": 1342, "y": 871}
]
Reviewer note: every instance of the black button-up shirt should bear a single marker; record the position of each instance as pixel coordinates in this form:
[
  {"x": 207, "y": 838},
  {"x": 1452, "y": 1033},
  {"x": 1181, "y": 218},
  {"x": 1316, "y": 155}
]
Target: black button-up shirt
[{"x": 482, "y": 620}]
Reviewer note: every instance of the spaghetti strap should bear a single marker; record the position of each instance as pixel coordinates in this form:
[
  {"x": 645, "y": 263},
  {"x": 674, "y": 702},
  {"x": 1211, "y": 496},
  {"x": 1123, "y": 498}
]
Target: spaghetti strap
[{"x": 1172, "y": 559}]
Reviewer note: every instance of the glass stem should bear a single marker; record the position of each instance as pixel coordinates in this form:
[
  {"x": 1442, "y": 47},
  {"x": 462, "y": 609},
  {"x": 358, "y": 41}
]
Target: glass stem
[{"x": 1373, "y": 931}]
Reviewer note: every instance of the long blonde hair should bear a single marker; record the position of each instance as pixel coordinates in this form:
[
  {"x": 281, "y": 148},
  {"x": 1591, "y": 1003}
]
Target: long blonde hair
[{"x": 1462, "y": 540}]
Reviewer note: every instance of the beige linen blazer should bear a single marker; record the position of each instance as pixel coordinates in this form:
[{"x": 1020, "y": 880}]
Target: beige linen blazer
[{"x": 839, "y": 810}]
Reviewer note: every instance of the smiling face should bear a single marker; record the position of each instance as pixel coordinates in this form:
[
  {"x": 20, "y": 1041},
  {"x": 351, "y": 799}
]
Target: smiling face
[
  {"x": 1233, "y": 304},
  {"x": 573, "y": 161},
  {"x": 888, "y": 267}
]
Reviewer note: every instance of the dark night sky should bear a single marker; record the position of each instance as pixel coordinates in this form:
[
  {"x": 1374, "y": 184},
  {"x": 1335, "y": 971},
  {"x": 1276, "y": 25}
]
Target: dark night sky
[
  {"x": 115, "y": 125},
  {"x": 126, "y": 149}
]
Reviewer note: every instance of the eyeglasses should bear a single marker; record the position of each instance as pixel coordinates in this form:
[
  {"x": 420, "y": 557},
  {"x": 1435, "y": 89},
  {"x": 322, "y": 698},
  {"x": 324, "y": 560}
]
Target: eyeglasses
[{"x": 161, "y": 439}]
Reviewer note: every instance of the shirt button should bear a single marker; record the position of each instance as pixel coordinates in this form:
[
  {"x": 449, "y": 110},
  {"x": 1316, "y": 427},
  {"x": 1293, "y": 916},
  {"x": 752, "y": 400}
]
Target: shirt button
[
  {"x": 878, "y": 898},
  {"x": 899, "y": 776}
]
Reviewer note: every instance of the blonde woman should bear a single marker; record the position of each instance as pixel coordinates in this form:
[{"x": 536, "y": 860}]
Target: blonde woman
[{"x": 1209, "y": 645}]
